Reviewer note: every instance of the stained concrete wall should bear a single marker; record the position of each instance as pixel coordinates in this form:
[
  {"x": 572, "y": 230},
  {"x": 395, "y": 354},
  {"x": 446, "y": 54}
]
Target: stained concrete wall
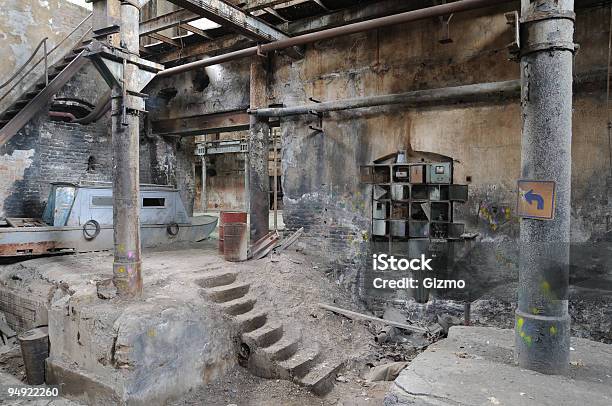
[
  {"x": 483, "y": 139},
  {"x": 327, "y": 198}
]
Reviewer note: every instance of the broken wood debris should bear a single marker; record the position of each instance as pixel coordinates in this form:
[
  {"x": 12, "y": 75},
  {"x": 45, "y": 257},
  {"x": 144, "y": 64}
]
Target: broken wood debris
[
  {"x": 270, "y": 242},
  {"x": 354, "y": 315},
  {"x": 264, "y": 245},
  {"x": 286, "y": 243}
]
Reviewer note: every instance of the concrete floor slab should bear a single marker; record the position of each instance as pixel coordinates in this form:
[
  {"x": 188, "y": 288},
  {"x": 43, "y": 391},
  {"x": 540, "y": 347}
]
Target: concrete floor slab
[{"x": 475, "y": 366}]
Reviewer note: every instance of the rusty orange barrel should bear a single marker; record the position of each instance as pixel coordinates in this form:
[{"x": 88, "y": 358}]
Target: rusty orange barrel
[
  {"x": 235, "y": 243},
  {"x": 229, "y": 217}
]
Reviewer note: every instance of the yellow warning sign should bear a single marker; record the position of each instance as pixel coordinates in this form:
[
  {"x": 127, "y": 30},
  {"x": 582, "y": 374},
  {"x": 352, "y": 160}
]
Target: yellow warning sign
[{"x": 536, "y": 199}]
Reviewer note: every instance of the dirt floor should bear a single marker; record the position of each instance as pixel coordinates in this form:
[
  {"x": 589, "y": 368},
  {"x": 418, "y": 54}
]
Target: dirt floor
[{"x": 290, "y": 285}]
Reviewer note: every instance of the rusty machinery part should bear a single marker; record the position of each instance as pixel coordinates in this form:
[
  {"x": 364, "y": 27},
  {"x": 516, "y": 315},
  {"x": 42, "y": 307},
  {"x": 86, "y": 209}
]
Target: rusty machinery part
[
  {"x": 87, "y": 231},
  {"x": 173, "y": 229}
]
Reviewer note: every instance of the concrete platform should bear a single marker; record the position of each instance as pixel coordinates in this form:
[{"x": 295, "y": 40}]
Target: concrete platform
[
  {"x": 475, "y": 366},
  {"x": 105, "y": 350}
]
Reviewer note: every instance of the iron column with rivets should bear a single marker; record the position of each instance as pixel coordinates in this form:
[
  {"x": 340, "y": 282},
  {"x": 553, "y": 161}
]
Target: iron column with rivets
[
  {"x": 127, "y": 275},
  {"x": 542, "y": 329}
]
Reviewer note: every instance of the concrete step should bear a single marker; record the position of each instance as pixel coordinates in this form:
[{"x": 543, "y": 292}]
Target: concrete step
[
  {"x": 227, "y": 293},
  {"x": 264, "y": 336},
  {"x": 284, "y": 348},
  {"x": 239, "y": 306},
  {"x": 251, "y": 321},
  {"x": 218, "y": 278},
  {"x": 301, "y": 362},
  {"x": 320, "y": 379},
  {"x": 12, "y": 112},
  {"x": 21, "y": 102},
  {"x": 32, "y": 94},
  {"x": 59, "y": 68}
]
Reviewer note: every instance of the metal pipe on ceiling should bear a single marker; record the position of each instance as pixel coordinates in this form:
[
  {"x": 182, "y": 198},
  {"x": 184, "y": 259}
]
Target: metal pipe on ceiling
[
  {"x": 466, "y": 93},
  {"x": 409, "y": 16}
]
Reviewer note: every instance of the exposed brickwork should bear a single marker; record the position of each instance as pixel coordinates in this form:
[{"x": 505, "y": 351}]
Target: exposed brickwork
[{"x": 58, "y": 152}]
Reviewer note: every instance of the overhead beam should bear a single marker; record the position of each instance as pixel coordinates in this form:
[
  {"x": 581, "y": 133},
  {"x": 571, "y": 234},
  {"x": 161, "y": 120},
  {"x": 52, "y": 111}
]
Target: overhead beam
[
  {"x": 352, "y": 15},
  {"x": 234, "y": 19},
  {"x": 254, "y": 5},
  {"x": 223, "y": 44},
  {"x": 305, "y": 26},
  {"x": 195, "y": 30},
  {"x": 164, "y": 39},
  {"x": 202, "y": 124},
  {"x": 167, "y": 21}
]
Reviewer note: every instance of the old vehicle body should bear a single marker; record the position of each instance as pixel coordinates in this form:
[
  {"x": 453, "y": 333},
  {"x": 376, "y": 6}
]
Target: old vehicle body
[{"x": 79, "y": 218}]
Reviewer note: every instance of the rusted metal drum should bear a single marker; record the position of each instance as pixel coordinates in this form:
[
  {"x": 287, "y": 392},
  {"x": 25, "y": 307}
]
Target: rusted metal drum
[
  {"x": 235, "y": 242},
  {"x": 229, "y": 217},
  {"x": 35, "y": 350}
]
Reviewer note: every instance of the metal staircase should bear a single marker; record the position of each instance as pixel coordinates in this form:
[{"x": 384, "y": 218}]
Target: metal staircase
[{"x": 37, "y": 96}]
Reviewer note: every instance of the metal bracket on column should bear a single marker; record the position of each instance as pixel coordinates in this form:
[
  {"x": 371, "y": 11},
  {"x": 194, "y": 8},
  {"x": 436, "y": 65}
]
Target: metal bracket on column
[
  {"x": 530, "y": 47},
  {"x": 514, "y": 48},
  {"x": 319, "y": 115},
  {"x": 445, "y": 21},
  {"x": 260, "y": 52},
  {"x": 109, "y": 61},
  {"x": 549, "y": 15}
]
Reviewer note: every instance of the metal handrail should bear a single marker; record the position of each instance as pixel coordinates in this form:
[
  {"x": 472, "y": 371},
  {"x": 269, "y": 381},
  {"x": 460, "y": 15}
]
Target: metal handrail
[
  {"x": 44, "y": 58},
  {"x": 44, "y": 40}
]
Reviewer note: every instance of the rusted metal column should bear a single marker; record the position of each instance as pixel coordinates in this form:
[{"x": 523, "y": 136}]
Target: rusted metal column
[
  {"x": 542, "y": 328},
  {"x": 259, "y": 147},
  {"x": 126, "y": 174}
]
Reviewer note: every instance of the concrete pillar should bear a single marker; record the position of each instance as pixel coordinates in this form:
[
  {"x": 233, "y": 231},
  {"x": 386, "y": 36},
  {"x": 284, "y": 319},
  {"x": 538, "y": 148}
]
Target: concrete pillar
[
  {"x": 542, "y": 328},
  {"x": 259, "y": 136},
  {"x": 126, "y": 174}
]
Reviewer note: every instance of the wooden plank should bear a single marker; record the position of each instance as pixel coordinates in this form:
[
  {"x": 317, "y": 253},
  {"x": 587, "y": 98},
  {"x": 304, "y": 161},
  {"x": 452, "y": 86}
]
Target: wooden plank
[{"x": 354, "y": 315}]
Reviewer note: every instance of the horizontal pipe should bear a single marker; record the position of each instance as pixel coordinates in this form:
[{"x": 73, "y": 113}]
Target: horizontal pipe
[
  {"x": 62, "y": 114},
  {"x": 464, "y": 93},
  {"x": 104, "y": 104},
  {"x": 409, "y": 16}
]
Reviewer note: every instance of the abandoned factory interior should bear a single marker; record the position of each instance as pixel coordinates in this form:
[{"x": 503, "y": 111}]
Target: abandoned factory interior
[{"x": 306, "y": 202}]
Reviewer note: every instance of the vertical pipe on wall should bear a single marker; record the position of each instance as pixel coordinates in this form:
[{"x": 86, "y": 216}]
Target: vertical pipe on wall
[
  {"x": 126, "y": 175},
  {"x": 542, "y": 327},
  {"x": 259, "y": 150}
]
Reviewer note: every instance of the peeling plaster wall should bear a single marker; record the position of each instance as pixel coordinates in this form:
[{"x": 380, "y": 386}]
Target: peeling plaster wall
[
  {"x": 23, "y": 24},
  {"x": 322, "y": 191}
]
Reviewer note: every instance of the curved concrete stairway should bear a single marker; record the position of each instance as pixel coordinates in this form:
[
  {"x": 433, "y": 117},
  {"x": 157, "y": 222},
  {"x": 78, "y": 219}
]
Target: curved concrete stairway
[{"x": 267, "y": 347}]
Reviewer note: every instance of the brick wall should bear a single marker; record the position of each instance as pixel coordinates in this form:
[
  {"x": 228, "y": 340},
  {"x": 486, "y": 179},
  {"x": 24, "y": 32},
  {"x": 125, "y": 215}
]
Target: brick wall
[{"x": 47, "y": 151}]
